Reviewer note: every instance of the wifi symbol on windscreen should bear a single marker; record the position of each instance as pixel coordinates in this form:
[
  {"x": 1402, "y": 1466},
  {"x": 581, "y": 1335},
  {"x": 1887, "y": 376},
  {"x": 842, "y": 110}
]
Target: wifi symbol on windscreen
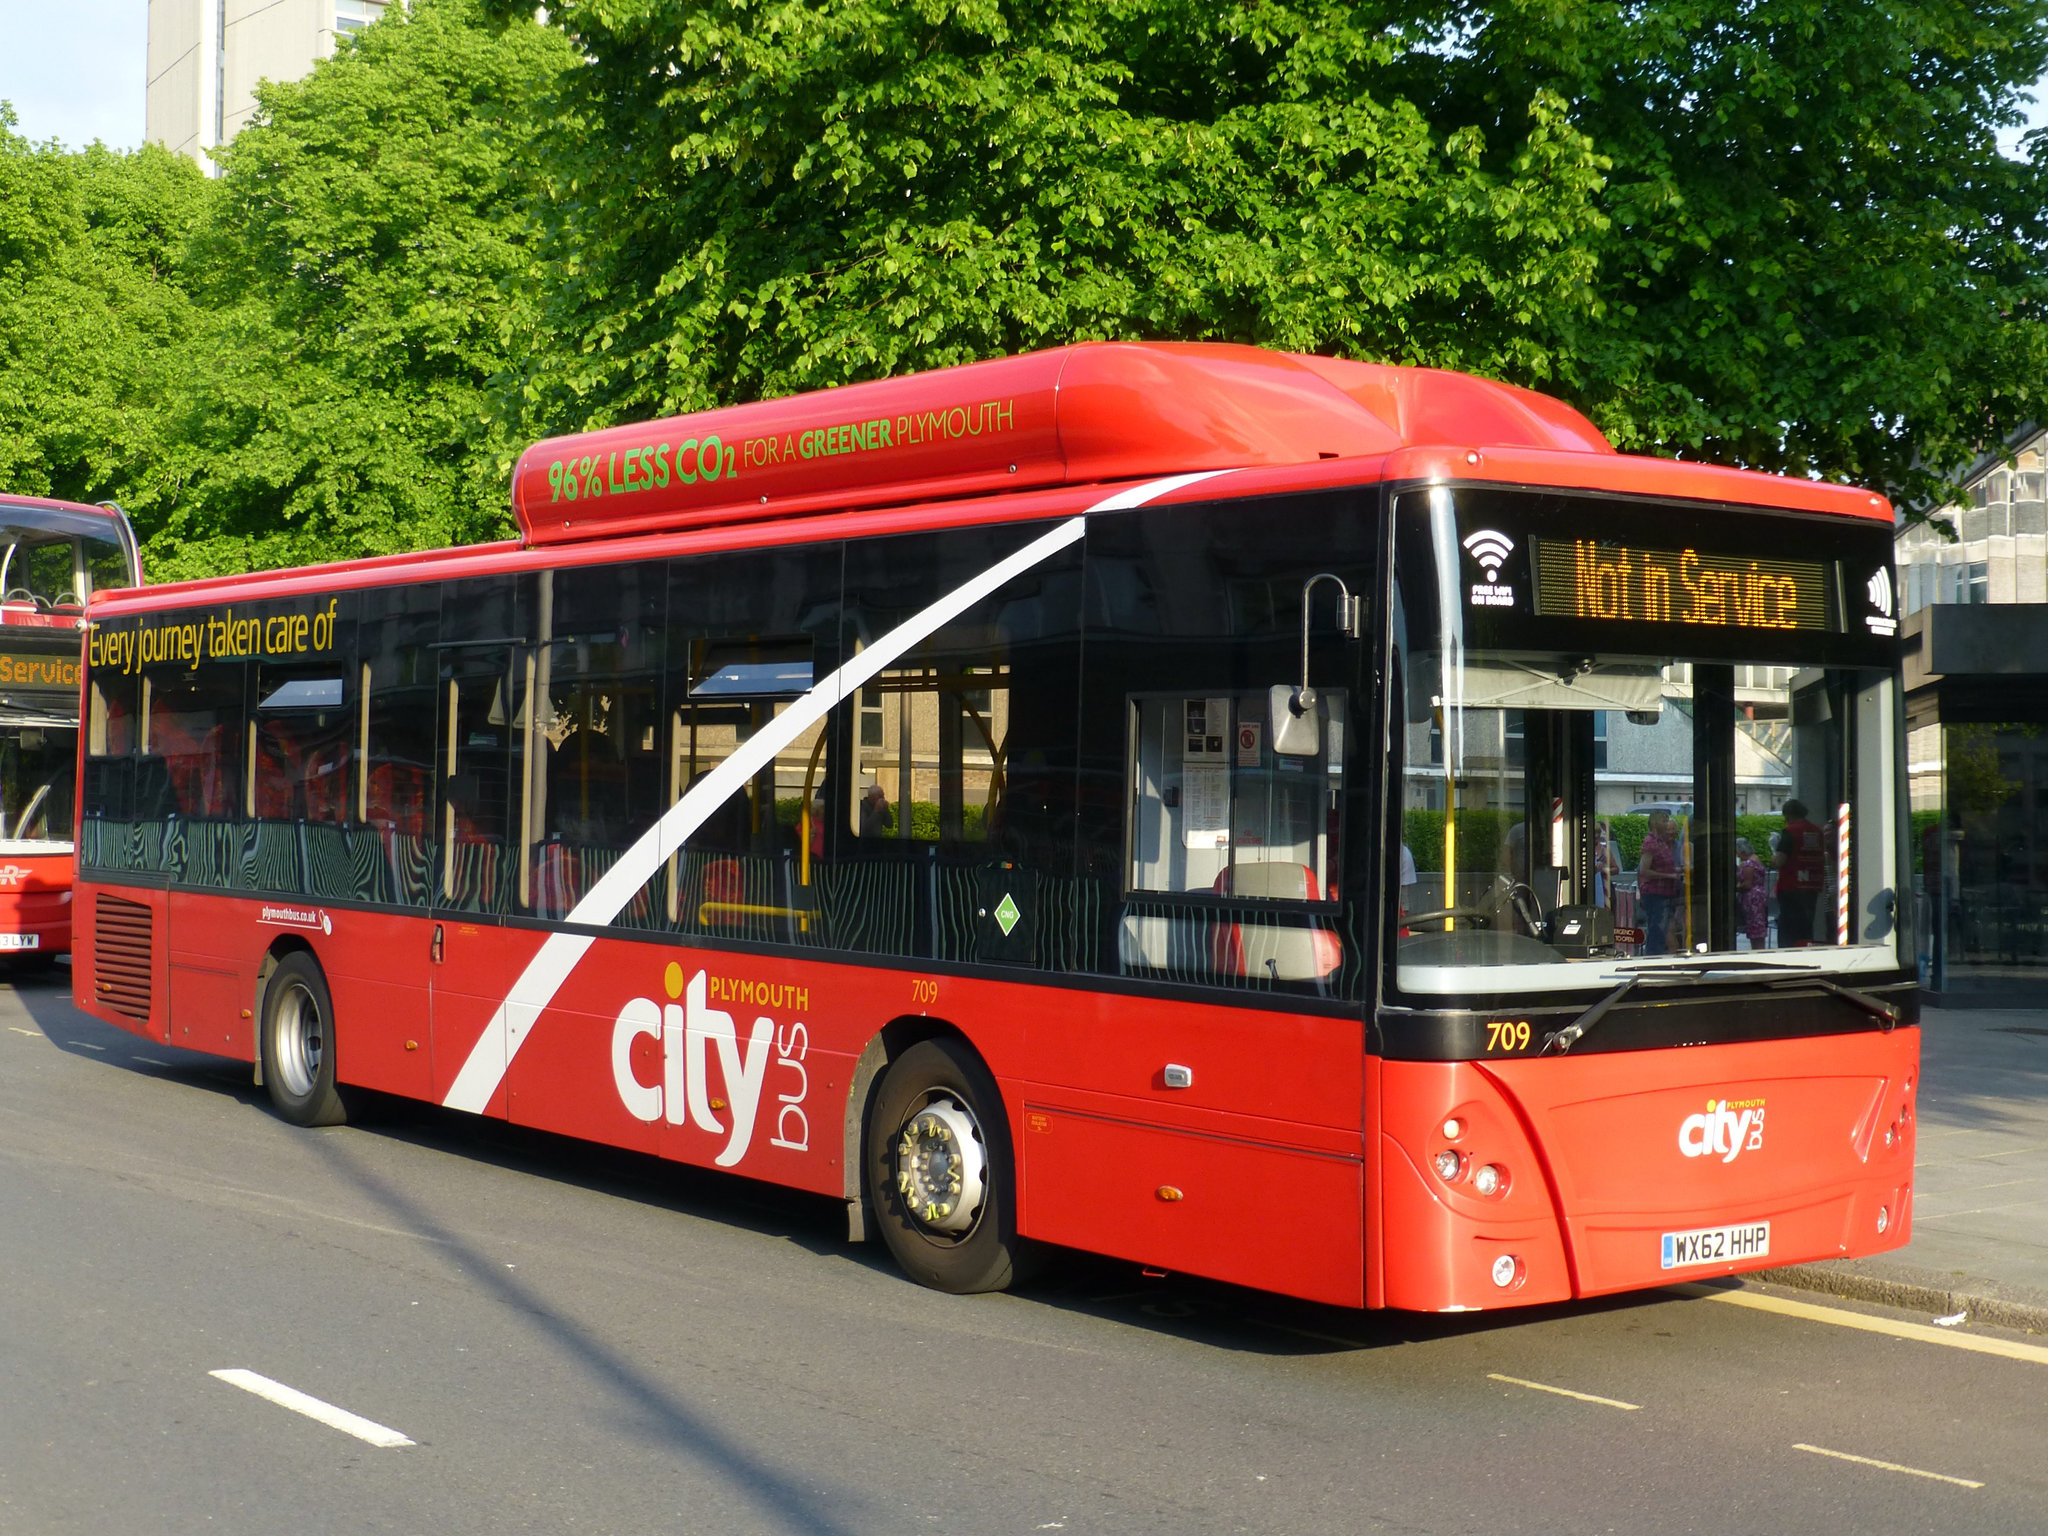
[{"x": 1491, "y": 549}]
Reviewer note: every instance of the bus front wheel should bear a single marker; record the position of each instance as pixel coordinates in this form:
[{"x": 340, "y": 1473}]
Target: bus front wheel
[
  {"x": 298, "y": 1044},
  {"x": 940, "y": 1177}
]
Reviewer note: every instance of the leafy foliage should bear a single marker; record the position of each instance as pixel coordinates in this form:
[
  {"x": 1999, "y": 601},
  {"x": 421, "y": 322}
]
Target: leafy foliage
[
  {"x": 1816, "y": 260},
  {"x": 752, "y": 198},
  {"x": 1777, "y": 233},
  {"x": 92, "y": 314},
  {"x": 365, "y": 276}
]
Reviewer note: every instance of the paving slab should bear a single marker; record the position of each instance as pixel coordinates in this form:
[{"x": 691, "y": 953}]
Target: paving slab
[{"x": 1980, "y": 1186}]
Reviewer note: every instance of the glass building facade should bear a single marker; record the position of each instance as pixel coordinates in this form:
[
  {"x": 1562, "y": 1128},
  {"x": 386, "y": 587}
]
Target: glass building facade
[{"x": 1974, "y": 588}]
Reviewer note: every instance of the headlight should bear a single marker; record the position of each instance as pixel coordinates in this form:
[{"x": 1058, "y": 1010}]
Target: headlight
[
  {"x": 1491, "y": 1179},
  {"x": 1505, "y": 1269},
  {"x": 1449, "y": 1165}
]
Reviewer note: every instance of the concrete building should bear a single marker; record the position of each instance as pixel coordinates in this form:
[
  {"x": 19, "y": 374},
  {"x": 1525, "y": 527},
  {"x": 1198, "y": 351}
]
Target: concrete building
[
  {"x": 1975, "y": 584},
  {"x": 207, "y": 56}
]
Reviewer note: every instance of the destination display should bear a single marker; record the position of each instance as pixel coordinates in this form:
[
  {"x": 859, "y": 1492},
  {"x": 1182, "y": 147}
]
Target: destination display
[
  {"x": 19, "y": 670},
  {"x": 1590, "y": 579}
]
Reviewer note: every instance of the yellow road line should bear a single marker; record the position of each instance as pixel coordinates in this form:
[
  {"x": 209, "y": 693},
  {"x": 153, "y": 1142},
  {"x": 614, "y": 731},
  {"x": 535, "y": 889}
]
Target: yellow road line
[
  {"x": 1584, "y": 1397},
  {"x": 1888, "y": 1466},
  {"x": 31, "y": 1033},
  {"x": 2008, "y": 1349}
]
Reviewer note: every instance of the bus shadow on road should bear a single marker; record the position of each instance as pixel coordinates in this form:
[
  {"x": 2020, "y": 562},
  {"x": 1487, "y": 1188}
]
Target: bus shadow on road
[
  {"x": 45, "y": 996},
  {"x": 1205, "y": 1313}
]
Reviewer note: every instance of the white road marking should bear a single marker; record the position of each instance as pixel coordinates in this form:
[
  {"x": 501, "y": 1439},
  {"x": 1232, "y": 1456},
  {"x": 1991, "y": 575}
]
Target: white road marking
[
  {"x": 152, "y": 1061},
  {"x": 313, "y": 1408},
  {"x": 1888, "y": 1466},
  {"x": 1584, "y": 1397},
  {"x": 20, "y": 1031},
  {"x": 88, "y": 1045},
  {"x": 2033, "y": 1354}
]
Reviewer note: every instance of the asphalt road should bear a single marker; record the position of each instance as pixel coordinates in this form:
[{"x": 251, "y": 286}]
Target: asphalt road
[{"x": 576, "y": 1340}]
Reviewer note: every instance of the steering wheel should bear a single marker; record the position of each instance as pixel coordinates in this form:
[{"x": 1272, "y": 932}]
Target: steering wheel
[
  {"x": 22, "y": 594},
  {"x": 1478, "y": 917}
]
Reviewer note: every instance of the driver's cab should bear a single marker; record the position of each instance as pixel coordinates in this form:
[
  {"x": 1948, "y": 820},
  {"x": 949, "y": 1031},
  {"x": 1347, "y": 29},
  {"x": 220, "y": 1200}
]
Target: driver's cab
[{"x": 1630, "y": 737}]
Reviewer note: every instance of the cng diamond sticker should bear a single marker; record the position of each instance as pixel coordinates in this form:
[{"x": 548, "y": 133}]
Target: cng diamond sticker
[{"x": 1006, "y": 914}]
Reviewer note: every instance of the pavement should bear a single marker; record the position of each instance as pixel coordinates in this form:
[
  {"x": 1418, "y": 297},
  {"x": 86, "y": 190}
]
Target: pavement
[{"x": 1980, "y": 1188}]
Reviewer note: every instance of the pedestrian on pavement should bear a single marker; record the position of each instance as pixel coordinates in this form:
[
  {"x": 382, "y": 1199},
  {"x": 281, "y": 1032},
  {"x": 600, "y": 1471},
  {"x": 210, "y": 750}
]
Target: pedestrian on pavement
[
  {"x": 1657, "y": 882},
  {"x": 1752, "y": 893},
  {"x": 1801, "y": 862}
]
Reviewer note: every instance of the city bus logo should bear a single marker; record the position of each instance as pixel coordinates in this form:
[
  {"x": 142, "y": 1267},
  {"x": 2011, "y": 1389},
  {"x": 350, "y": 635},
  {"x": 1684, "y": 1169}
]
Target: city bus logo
[
  {"x": 1726, "y": 1130},
  {"x": 689, "y": 1034},
  {"x": 1491, "y": 549}
]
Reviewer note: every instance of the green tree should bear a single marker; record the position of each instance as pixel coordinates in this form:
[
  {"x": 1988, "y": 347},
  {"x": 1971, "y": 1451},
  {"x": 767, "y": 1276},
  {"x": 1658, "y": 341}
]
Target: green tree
[
  {"x": 749, "y": 197},
  {"x": 1816, "y": 260},
  {"x": 92, "y": 310},
  {"x": 1776, "y": 233},
  {"x": 365, "y": 274}
]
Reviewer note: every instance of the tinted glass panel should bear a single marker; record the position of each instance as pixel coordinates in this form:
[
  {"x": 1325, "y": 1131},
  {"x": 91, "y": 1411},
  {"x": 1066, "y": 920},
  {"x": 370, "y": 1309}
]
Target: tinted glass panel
[{"x": 1217, "y": 858}]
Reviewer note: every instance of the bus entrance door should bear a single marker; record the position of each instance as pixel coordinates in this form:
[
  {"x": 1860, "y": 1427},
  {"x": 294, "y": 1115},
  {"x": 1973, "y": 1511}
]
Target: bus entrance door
[{"x": 481, "y": 788}]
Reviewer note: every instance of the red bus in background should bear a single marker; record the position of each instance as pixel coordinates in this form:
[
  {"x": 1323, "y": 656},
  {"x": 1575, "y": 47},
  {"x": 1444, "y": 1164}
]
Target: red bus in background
[
  {"x": 1171, "y": 801},
  {"x": 54, "y": 555}
]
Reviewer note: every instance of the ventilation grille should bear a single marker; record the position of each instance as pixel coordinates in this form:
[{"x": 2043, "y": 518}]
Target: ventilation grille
[{"x": 120, "y": 956}]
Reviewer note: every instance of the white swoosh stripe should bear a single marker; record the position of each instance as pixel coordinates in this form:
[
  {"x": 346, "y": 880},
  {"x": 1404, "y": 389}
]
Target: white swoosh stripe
[{"x": 537, "y": 985}]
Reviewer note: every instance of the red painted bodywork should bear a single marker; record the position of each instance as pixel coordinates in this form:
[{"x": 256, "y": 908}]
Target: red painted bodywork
[
  {"x": 35, "y": 897},
  {"x": 1294, "y": 1161}
]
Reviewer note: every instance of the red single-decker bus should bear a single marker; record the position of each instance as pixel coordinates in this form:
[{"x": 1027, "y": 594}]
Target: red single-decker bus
[{"x": 1334, "y": 828}]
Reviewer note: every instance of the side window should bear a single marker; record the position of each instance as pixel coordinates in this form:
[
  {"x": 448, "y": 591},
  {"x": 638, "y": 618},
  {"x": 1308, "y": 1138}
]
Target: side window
[
  {"x": 749, "y": 635},
  {"x": 1214, "y": 807},
  {"x": 196, "y": 725},
  {"x": 487, "y": 671},
  {"x": 304, "y": 750},
  {"x": 957, "y": 812},
  {"x": 113, "y": 727},
  {"x": 1214, "y": 813},
  {"x": 931, "y": 739},
  {"x": 600, "y": 746},
  {"x": 396, "y": 714}
]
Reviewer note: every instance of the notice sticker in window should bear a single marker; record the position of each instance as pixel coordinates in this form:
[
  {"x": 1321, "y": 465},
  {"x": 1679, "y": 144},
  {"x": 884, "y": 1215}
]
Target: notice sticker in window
[
  {"x": 1208, "y": 727},
  {"x": 1248, "y": 734},
  {"x": 1205, "y": 806}
]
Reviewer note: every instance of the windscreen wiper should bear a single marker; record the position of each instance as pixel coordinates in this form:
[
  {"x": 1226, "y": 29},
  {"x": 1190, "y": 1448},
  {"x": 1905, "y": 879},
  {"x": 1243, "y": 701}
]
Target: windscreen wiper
[
  {"x": 1876, "y": 1007},
  {"x": 1701, "y": 967},
  {"x": 1562, "y": 1040}
]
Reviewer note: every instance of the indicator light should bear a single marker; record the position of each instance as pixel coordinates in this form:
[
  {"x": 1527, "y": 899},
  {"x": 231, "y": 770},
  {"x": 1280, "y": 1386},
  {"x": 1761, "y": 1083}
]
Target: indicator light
[
  {"x": 1449, "y": 1165},
  {"x": 1505, "y": 1270},
  {"x": 1491, "y": 1179},
  {"x": 1453, "y": 1129},
  {"x": 1884, "y": 1218}
]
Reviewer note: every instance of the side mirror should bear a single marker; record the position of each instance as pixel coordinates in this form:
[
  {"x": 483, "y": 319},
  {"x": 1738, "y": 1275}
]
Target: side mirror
[
  {"x": 1295, "y": 729},
  {"x": 1293, "y": 710}
]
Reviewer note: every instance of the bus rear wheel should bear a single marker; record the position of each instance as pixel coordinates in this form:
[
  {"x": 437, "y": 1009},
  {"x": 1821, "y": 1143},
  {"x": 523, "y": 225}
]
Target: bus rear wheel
[
  {"x": 298, "y": 1044},
  {"x": 940, "y": 1176}
]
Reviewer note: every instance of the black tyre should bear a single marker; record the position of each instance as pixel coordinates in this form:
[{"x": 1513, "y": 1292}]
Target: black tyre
[
  {"x": 298, "y": 1044},
  {"x": 941, "y": 1180}
]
